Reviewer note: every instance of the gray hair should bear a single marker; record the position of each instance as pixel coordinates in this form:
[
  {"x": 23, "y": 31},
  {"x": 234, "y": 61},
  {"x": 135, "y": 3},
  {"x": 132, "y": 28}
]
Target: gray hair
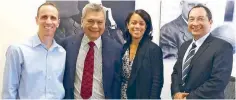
[{"x": 93, "y": 7}]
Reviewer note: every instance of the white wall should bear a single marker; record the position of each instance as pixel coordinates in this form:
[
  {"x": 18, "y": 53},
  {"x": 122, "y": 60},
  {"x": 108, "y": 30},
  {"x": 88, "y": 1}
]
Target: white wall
[{"x": 17, "y": 22}]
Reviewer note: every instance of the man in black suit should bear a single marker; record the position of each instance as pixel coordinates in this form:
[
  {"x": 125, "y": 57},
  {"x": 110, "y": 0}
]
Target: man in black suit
[
  {"x": 204, "y": 64},
  {"x": 91, "y": 59}
]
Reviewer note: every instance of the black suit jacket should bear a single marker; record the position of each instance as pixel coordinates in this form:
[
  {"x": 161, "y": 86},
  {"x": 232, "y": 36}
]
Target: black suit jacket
[
  {"x": 210, "y": 70},
  {"x": 111, "y": 52},
  {"x": 146, "y": 79}
]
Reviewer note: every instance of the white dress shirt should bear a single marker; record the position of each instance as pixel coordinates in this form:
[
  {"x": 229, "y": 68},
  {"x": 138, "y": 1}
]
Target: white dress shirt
[
  {"x": 198, "y": 43},
  {"x": 97, "y": 90}
]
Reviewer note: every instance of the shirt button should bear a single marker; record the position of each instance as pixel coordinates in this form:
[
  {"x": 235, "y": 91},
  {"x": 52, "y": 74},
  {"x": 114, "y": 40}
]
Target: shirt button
[{"x": 49, "y": 77}]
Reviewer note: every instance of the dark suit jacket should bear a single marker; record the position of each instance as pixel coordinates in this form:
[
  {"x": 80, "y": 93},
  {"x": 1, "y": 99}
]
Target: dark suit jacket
[
  {"x": 146, "y": 79},
  {"x": 210, "y": 70},
  {"x": 172, "y": 35},
  {"x": 110, "y": 55}
]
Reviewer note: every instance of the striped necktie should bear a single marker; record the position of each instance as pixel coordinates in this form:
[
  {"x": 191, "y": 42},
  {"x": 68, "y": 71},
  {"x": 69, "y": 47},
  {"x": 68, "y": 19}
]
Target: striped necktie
[{"x": 185, "y": 68}]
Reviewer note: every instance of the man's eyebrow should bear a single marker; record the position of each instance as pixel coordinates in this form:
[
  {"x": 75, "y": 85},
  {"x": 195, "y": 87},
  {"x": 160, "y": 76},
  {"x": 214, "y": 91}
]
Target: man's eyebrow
[
  {"x": 191, "y": 17},
  {"x": 200, "y": 16}
]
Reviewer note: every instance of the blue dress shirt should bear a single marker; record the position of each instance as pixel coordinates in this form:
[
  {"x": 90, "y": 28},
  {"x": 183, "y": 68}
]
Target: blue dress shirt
[{"x": 33, "y": 72}]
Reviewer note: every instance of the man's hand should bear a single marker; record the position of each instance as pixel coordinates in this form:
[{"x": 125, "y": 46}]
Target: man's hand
[
  {"x": 185, "y": 98},
  {"x": 180, "y": 95}
]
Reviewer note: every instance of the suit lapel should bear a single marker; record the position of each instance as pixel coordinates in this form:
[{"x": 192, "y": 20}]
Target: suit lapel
[
  {"x": 107, "y": 67},
  {"x": 137, "y": 63},
  {"x": 184, "y": 49},
  {"x": 182, "y": 52},
  {"x": 201, "y": 49},
  {"x": 75, "y": 46}
]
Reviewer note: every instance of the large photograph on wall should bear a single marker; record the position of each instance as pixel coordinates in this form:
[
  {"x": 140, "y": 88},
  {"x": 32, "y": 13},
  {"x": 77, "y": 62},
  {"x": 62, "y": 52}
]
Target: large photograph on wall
[{"x": 71, "y": 12}]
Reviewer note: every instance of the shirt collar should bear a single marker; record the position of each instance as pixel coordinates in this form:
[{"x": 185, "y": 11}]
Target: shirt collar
[
  {"x": 201, "y": 40},
  {"x": 36, "y": 42},
  {"x": 54, "y": 44},
  {"x": 97, "y": 42}
]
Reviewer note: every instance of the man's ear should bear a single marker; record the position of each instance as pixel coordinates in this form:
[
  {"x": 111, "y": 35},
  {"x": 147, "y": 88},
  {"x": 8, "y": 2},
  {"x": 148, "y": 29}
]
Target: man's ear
[
  {"x": 82, "y": 22},
  {"x": 211, "y": 21},
  {"x": 59, "y": 20},
  {"x": 36, "y": 20}
]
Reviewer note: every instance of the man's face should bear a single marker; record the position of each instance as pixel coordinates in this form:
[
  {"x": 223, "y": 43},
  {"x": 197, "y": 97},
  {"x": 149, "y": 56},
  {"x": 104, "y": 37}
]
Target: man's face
[
  {"x": 187, "y": 5},
  {"x": 47, "y": 20},
  {"x": 198, "y": 23},
  {"x": 93, "y": 24}
]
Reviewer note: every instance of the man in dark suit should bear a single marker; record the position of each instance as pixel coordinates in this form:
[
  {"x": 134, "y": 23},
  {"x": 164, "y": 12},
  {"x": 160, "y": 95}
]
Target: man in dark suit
[
  {"x": 174, "y": 33},
  {"x": 204, "y": 64},
  {"x": 91, "y": 59}
]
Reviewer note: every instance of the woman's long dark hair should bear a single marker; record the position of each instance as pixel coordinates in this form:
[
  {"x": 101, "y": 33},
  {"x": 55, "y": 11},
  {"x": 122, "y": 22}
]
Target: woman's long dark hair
[{"x": 146, "y": 17}]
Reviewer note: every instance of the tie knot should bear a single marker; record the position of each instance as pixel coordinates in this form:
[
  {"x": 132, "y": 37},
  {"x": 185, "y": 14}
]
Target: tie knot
[
  {"x": 91, "y": 44},
  {"x": 194, "y": 45}
]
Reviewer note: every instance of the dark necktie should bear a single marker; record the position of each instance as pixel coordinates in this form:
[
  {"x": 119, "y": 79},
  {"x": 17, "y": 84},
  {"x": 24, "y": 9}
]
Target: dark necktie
[
  {"x": 87, "y": 79},
  {"x": 186, "y": 68}
]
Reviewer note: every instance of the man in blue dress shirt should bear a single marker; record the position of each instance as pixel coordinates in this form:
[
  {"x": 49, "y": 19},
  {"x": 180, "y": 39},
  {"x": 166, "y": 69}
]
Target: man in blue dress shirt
[{"x": 35, "y": 69}]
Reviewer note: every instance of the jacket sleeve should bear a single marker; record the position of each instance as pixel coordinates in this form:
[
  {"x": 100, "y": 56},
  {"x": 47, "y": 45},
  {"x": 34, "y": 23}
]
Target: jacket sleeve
[
  {"x": 157, "y": 72},
  {"x": 174, "y": 76},
  {"x": 117, "y": 77}
]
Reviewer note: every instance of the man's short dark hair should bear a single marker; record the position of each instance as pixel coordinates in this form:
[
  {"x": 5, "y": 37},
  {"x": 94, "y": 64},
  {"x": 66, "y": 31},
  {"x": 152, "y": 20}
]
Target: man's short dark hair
[
  {"x": 209, "y": 15},
  {"x": 47, "y": 3}
]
